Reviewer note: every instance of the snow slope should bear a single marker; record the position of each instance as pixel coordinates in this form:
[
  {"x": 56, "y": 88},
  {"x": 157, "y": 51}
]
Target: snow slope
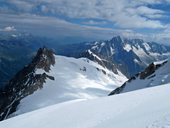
[
  {"x": 159, "y": 77},
  {"x": 74, "y": 79},
  {"x": 146, "y": 108}
]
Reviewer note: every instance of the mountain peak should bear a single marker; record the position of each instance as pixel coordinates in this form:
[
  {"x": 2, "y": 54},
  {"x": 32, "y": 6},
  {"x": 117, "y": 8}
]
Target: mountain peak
[
  {"x": 44, "y": 59},
  {"x": 125, "y": 39},
  {"x": 117, "y": 39},
  {"x": 26, "y": 82}
]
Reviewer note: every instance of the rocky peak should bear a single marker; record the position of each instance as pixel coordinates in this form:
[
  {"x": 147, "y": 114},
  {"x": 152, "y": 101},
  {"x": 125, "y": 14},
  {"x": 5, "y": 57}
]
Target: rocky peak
[
  {"x": 44, "y": 59},
  {"x": 150, "y": 70},
  {"x": 117, "y": 41},
  {"x": 26, "y": 82}
]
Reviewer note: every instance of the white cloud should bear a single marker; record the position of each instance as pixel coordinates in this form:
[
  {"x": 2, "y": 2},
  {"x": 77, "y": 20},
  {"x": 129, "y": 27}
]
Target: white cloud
[
  {"x": 136, "y": 13},
  {"x": 8, "y": 29},
  {"x": 147, "y": 12},
  {"x": 40, "y": 17},
  {"x": 53, "y": 27},
  {"x": 57, "y": 28}
]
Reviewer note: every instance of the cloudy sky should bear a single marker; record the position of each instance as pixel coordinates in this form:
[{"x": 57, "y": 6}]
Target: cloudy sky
[{"x": 88, "y": 19}]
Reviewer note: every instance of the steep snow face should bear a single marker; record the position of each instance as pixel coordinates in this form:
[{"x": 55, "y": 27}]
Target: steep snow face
[
  {"x": 74, "y": 79},
  {"x": 146, "y": 108}
]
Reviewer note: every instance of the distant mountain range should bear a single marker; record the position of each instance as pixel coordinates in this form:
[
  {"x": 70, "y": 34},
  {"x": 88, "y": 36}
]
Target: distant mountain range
[{"x": 128, "y": 55}]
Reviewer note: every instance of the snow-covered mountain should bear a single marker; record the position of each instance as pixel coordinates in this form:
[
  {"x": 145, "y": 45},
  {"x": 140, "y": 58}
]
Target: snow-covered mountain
[
  {"x": 130, "y": 55},
  {"x": 51, "y": 79},
  {"x": 146, "y": 108},
  {"x": 157, "y": 73}
]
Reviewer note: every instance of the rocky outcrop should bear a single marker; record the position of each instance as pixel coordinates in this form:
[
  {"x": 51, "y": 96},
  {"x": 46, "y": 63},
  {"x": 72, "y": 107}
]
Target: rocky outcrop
[
  {"x": 150, "y": 70},
  {"x": 26, "y": 82},
  {"x": 146, "y": 74}
]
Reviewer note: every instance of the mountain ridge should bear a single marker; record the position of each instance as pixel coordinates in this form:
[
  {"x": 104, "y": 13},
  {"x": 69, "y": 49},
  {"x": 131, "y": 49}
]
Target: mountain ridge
[
  {"x": 41, "y": 83},
  {"x": 25, "y": 82},
  {"x": 129, "y": 55}
]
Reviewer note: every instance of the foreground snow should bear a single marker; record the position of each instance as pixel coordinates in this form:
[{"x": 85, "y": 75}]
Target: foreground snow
[
  {"x": 74, "y": 79},
  {"x": 146, "y": 108}
]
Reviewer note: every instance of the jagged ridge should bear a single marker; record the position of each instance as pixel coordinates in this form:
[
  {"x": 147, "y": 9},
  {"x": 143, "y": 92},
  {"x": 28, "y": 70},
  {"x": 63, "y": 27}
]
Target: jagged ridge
[
  {"x": 26, "y": 82},
  {"x": 130, "y": 56}
]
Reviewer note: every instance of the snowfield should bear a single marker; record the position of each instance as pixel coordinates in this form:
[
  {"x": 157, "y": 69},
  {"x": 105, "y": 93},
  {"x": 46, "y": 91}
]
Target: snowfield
[
  {"x": 145, "y": 108},
  {"x": 74, "y": 79}
]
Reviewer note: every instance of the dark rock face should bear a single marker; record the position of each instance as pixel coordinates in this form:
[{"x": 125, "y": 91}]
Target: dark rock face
[
  {"x": 142, "y": 75},
  {"x": 117, "y": 90},
  {"x": 44, "y": 59},
  {"x": 150, "y": 70},
  {"x": 25, "y": 82}
]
